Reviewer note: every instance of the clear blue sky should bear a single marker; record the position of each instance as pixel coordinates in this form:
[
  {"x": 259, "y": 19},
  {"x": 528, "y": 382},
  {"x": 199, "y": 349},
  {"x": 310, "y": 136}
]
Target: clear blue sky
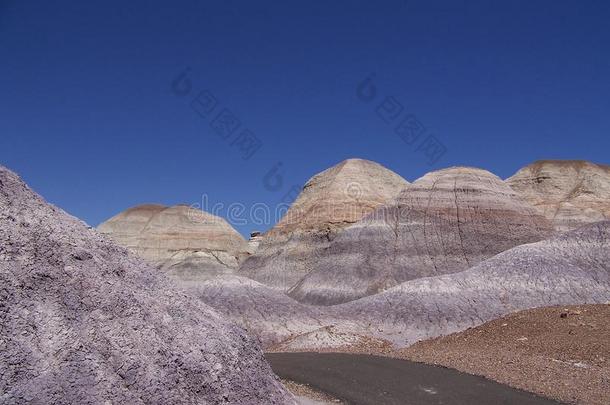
[{"x": 89, "y": 119}]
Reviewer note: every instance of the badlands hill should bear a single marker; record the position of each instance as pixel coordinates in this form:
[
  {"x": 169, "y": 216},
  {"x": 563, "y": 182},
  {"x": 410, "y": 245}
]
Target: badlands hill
[
  {"x": 451, "y": 251},
  {"x": 84, "y": 321},
  {"x": 573, "y": 268},
  {"x": 558, "y": 352},
  {"x": 445, "y": 222},
  {"x": 186, "y": 242},
  {"x": 569, "y": 269},
  {"x": 569, "y": 193},
  {"x": 329, "y": 202},
  {"x": 263, "y": 311}
]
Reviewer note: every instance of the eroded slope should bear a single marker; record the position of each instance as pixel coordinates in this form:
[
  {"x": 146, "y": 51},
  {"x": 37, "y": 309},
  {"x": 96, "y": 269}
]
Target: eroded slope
[
  {"x": 329, "y": 202},
  {"x": 570, "y": 193},
  {"x": 83, "y": 321},
  {"x": 445, "y": 222}
]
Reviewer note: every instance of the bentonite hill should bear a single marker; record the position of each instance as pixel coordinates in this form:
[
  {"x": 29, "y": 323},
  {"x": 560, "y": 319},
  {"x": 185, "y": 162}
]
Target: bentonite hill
[
  {"x": 189, "y": 244},
  {"x": 569, "y": 193},
  {"x": 83, "y": 321},
  {"x": 445, "y": 222},
  {"x": 568, "y": 269},
  {"x": 452, "y": 250},
  {"x": 330, "y": 201},
  {"x": 305, "y": 202}
]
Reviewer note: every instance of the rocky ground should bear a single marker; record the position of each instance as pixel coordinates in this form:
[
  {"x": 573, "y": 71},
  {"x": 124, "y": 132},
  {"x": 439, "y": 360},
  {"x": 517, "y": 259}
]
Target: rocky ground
[{"x": 559, "y": 352}]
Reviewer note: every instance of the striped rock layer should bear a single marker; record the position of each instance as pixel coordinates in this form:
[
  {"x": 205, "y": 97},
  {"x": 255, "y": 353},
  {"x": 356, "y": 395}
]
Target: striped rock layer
[
  {"x": 329, "y": 202},
  {"x": 569, "y": 269},
  {"x": 188, "y": 243},
  {"x": 570, "y": 193},
  {"x": 445, "y": 222}
]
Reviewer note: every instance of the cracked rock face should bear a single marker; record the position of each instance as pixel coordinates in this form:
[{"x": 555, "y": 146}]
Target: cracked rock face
[
  {"x": 445, "y": 222},
  {"x": 329, "y": 202},
  {"x": 187, "y": 243},
  {"x": 84, "y": 321},
  {"x": 573, "y": 268},
  {"x": 569, "y": 193}
]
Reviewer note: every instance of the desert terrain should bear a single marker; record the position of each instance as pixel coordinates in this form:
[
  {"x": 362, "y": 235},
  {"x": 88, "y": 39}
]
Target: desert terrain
[{"x": 505, "y": 282}]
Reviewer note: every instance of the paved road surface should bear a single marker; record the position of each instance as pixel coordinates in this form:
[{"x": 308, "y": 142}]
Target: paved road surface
[{"x": 372, "y": 380}]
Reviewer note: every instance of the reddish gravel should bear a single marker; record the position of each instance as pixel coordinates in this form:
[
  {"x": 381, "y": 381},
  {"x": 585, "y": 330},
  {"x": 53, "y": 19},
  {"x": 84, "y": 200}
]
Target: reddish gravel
[{"x": 558, "y": 352}]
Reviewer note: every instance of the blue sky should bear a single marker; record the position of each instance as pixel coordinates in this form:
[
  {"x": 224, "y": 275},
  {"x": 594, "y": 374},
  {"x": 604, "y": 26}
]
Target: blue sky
[{"x": 89, "y": 118}]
